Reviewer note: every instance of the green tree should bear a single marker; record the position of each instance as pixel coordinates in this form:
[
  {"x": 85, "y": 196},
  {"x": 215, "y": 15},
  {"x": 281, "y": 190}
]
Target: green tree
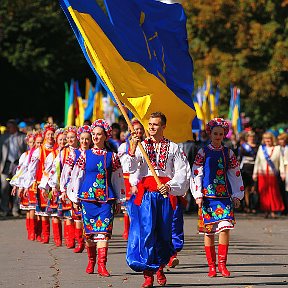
[
  {"x": 243, "y": 43},
  {"x": 38, "y": 49}
]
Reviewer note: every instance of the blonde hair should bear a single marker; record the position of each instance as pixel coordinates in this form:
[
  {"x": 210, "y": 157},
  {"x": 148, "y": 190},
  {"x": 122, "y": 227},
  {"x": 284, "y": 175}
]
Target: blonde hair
[
  {"x": 269, "y": 135},
  {"x": 283, "y": 136},
  {"x": 249, "y": 134}
]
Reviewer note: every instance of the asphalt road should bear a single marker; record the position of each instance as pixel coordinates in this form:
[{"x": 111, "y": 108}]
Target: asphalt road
[{"x": 258, "y": 257}]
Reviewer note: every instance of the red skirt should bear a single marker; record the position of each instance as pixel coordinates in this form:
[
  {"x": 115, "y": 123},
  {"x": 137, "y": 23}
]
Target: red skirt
[
  {"x": 270, "y": 199},
  {"x": 127, "y": 186}
]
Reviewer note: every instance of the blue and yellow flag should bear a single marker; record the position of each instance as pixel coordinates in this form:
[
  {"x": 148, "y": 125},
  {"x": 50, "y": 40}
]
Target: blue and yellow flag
[
  {"x": 90, "y": 103},
  {"x": 70, "y": 113},
  {"x": 138, "y": 60}
]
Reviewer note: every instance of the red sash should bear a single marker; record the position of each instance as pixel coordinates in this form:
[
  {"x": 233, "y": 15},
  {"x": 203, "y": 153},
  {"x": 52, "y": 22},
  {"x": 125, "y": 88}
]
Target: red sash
[{"x": 149, "y": 184}]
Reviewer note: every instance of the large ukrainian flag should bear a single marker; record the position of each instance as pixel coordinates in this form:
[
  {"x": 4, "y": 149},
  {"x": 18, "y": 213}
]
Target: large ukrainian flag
[{"x": 145, "y": 67}]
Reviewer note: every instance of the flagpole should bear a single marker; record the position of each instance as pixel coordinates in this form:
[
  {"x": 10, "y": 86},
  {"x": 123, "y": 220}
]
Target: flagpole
[
  {"x": 110, "y": 85},
  {"x": 139, "y": 143}
]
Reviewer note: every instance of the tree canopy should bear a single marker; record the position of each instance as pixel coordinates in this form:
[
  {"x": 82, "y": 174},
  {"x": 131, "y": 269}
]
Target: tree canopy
[{"x": 243, "y": 43}]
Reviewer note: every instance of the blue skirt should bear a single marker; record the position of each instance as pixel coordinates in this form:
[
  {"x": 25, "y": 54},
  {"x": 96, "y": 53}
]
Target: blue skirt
[
  {"x": 97, "y": 217},
  {"x": 150, "y": 234}
]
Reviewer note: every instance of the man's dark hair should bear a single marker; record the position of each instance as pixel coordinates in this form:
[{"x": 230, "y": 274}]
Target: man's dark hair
[{"x": 159, "y": 115}]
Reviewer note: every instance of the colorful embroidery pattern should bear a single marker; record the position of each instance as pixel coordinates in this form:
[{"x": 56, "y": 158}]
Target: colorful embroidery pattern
[
  {"x": 163, "y": 154},
  {"x": 99, "y": 225},
  {"x": 218, "y": 213},
  {"x": 218, "y": 188},
  {"x": 199, "y": 159},
  {"x": 233, "y": 162}
]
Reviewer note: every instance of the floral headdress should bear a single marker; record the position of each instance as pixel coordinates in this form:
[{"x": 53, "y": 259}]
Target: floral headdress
[
  {"x": 104, "y": 125},
  {"x": 217, "y": 122},
  {"x": 58, "y": 132},
  {"x": 49, "y": 127},
  {"x": 38, "y": 133},
  {"x": 29, "y": 135},
  {"x": 72, "y": 129},
  {"x": 83, "y": 129}
]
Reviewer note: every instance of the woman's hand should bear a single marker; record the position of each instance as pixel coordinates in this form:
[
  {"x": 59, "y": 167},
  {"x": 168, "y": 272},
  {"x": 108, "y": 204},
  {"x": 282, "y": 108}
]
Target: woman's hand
[
  {"x": 199, "y": 202},
  {"x": 134, "y": 190},
  {"x": 236, "y": 202},
  {"x": 54, "y": 191},
  {"x": 14, "y": 190},
  {"x": 117, "y": 208},
  {"x": 44, "y": 194}
]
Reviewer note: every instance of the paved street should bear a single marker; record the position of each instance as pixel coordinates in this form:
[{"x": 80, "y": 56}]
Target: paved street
[{"x": 258, "y": 257}]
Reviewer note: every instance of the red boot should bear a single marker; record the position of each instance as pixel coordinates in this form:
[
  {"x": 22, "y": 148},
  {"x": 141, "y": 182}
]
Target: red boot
[
  {"x": 126, "y": 226},
  {"x": 222, "y": 259},
  {"x": 46, "y": 231},
  {"x": 161, "y": 278},
  {"x": 149, "y": 279},
  {"x": 38, "y": 229},
  {"x": 211, "y": 259},
  {"x": 102, "y": 260},
  {"x": 65, "y": 232},
  {"x": 28, "y": 228},
  {"x": 174, "y": 261},
  {"x": 91, "y": 252},
  {"x": 57, "y": 233},
  {"x": 80, "y": 240},
  {"x": 71, "y": 236},
  {"x": 32, "y": 229}
]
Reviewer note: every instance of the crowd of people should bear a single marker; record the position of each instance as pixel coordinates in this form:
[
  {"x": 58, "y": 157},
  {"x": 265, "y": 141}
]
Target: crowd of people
[{"x": 78, "y": 178}]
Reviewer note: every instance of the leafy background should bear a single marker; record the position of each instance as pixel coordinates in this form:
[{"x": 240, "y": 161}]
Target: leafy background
[{"x": 243, "y": 43}]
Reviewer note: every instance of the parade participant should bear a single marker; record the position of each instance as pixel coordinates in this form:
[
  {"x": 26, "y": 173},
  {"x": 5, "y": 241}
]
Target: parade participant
[
  {"x": 15, "y": 182},
  {"x": 97, "y": 185},
  {"x": 123, "y": 155},
  {"x": 217, "y": 187},
  {"x": 35, "y": 221},
  {"x": 150, "y": 211},
  {"x": 65, "y": 205},
  {"x": 247, "y": 154},
  {"x": 49, "y": 184},
  {"x": 267, "y": 171},
  {"x": 84, "y": 137},
  {"x": 34, "y": 174}
]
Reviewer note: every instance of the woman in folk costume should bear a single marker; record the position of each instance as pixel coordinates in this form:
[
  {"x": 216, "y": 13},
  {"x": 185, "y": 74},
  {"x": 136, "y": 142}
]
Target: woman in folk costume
[
  {"x": 123, "y": 155},
  {"x": 97, "y": 185},
  {"x": 269, "y": 166},
  {"x": 65, "y": 205},
  {"x": 85, "y": 140},
  {"x": 50, "y": 182},
  {"x": 34, "y": 174},
  {"x": 34, "y": 221},
  {"x": 16, "y": 183},
  {"x": 217, "y": 187}
]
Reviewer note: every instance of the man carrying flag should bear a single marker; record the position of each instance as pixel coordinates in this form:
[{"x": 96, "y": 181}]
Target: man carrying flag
[{"x": 149, "y": 246}]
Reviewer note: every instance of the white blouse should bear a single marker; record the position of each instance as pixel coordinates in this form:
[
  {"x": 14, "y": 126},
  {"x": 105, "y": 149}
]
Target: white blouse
[{"x": 169, "y": 161}]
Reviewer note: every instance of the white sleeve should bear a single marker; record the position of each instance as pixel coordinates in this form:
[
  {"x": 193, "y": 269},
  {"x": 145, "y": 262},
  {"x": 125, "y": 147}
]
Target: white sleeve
[
  {"x": 66, "y": 171},
  {"x": 16, "y": 179},
  {"x": 179, "y": 184},
  {"x": 30, "y": 174},
  {"x": 77, "y": 177},
  {"x": 197, "y": 175},
  {"x": 53, "y": 179},
  {"x": 117, "y": 178},
  {"x": 46, "y": 172},
  {"x": 234, "y": 176}
]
